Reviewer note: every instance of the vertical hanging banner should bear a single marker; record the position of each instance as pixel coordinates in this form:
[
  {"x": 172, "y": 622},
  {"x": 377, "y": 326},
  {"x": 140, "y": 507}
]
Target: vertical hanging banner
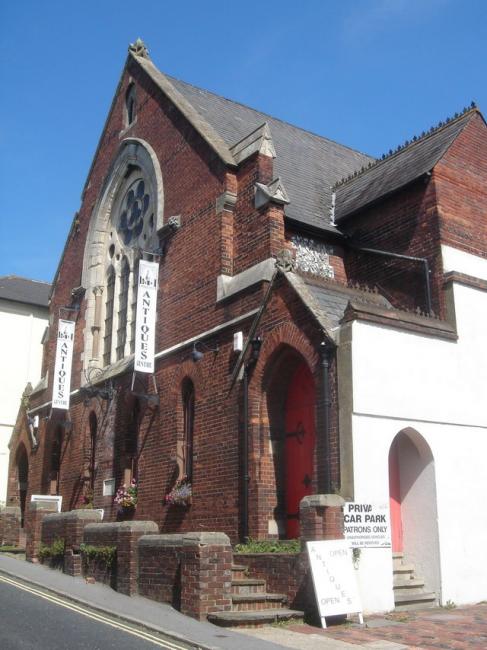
[
  {"x": 145, "y": 322},
  {"x": 62, "y": 368}
]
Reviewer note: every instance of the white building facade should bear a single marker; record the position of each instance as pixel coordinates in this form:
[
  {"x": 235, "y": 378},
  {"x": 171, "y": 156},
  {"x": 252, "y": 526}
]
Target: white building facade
[{"x": 23, "y": 320}]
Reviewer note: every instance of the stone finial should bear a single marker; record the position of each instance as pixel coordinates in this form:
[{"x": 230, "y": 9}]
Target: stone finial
[{"x": 139, "y": 49}]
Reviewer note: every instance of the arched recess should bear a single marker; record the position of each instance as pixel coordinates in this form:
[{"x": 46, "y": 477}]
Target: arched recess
[
  {"x": 289, "y": 461},
  {"x": 23, "y": 480},
  {"x": 115, "y": 236},
  {"x": 414, "y": 519}
]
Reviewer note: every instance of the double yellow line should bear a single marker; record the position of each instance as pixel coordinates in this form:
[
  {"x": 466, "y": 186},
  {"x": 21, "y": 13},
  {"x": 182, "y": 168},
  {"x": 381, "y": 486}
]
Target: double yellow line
[{"x": 169, "y": 645}]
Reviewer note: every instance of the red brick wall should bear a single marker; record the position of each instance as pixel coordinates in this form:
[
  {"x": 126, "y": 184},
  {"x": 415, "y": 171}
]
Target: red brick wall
[{"x": 460, "y": 180}]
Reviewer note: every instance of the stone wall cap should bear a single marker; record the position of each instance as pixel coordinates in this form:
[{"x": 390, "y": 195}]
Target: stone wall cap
[
  {"x": 11, "y": 510},
  {"x": 70, "y": 515},
  {"x": 322, "y": 500},
  {"x": 162, "y": 540},
  {"x": 131, "y": 526},
  {"x": 209, "y": 539}
]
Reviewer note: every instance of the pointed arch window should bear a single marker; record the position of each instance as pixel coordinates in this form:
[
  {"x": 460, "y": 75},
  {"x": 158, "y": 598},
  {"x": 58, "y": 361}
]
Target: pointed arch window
[
  {"x": 107, "y": 339},
  {"x": 130, "y": 105},
  {"x": 123, "y": 298},
  {"x": 188, "y": 432}
]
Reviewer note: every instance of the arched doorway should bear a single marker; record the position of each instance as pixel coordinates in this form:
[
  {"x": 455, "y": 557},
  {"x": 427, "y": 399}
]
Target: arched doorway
[
  {"x": 23, "y": 480},
  {"x": 299, "y": 444},
  {"x": 412, "y": 491}
]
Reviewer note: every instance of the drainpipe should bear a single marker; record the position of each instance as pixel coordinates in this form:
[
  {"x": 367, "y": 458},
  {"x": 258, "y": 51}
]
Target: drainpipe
[
  {"x": 326, "y": 401},
  {"x": 399, "y": 256},
  {"x": 245, "y": 462}
]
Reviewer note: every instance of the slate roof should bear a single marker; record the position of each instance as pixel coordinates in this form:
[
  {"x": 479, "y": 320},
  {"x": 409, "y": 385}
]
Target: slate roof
[
  {"x": 328, "y": 300},
  {"x": 399, "y": 169},
  {"x": 308, "y": 164},
  {"x": 31, "y": 292}
]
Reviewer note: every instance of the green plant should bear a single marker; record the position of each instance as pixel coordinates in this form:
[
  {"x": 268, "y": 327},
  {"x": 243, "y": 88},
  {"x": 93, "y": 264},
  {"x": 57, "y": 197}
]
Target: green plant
[
  {"x": 269, "y": 546},
  {"x": 103, "y": 554},
  {"x": 449, "y": 604},
  {"x": 54, "y": 551},
  {"x": 6, "y": 548},
  {"x": 356, "y": 553}
]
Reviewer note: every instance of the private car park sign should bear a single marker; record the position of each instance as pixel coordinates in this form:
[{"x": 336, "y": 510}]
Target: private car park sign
[{"x": 367, "y": 525}]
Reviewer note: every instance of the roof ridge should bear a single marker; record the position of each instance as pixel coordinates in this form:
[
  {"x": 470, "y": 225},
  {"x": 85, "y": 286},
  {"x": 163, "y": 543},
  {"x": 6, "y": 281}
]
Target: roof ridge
[
  {"x": 21, "y": 277},
  {"x": 268, "y": 115},
  {"x": 408, "y": 144}
]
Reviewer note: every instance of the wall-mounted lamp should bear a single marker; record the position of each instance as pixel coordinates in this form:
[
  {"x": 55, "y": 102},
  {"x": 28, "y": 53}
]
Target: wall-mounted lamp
[
  {"x": 255, "y": 345},
  {"x": 197, "y": 355}
]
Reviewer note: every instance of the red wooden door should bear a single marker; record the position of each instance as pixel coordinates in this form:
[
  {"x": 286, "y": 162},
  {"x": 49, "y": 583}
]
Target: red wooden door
[
  {"x": 395, "y": 499},
  {"x": 299, "y": 445}
]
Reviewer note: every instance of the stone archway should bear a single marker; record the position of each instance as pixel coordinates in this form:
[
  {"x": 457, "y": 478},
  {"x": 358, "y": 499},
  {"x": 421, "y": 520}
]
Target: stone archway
[
  {"x": 291, "y": 412},
  {"x": 412, "y": 485}
]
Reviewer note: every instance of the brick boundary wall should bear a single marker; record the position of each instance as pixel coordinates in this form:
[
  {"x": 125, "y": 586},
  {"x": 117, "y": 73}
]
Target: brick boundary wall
[
  {"x": 10, "y": 526},
  {"x": 206, "y": 570},
  {"x": 124, "y": 536},
  {"x": 159, "y": 574},
  {"x": 69, "y": 527},
  {"x": 33, "y": 527}
]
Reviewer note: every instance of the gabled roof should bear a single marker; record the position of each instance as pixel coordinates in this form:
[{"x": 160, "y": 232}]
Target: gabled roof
[
  {"x": 400, "y": 168},
  {"x": 307, "y": 164},
  {"x": 31, "y": 292}
]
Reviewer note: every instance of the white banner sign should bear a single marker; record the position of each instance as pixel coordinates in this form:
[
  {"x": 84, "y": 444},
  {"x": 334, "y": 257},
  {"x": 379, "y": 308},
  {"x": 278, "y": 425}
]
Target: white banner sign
[
  {"x": 62, "y": 369},
  {"x": 333, "y": 578},
  {"x": 145, "y": 323},
  {"x": 367, "y": 525}
]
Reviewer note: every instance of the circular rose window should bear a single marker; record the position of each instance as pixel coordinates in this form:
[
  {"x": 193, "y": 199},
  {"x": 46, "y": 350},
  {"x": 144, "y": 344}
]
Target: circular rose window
[{"x": 135, "y": 214}]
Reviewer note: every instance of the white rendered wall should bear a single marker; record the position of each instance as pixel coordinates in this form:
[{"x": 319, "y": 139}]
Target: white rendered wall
[
  {"x": 21, "y": 330},
  {"x": 438, "y": 388}
]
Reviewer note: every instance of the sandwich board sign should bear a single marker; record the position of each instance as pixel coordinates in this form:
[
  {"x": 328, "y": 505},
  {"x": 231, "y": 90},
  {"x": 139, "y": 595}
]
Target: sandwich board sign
[{"x": 334, "y": 578}]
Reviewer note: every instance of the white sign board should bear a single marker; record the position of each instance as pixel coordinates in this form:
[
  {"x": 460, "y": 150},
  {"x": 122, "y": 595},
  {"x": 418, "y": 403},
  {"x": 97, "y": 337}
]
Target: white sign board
[
  {"x": 50, "y": 498},
  {"x": 333, "y": 578},
  {"x": 367, "y": 525},
  {"x": 145, "y": 322},
  {"x": 61, "y": 383}
]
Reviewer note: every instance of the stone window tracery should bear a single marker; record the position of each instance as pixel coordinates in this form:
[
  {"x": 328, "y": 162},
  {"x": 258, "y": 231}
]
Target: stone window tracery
[{"x": 124, "y": 226}]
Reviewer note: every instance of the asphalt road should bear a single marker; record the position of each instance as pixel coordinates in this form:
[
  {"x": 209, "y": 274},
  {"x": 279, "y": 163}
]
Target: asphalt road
[{"x": 31, "y": 618}]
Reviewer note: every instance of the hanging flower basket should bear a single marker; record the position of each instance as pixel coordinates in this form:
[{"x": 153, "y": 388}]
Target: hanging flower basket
[
  {"x": 126, "y": 499},
  {"x": 181, "y": 494}
]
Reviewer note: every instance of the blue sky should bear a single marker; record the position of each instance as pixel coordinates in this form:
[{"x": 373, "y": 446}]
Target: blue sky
[{"x": 367, "y": 73}]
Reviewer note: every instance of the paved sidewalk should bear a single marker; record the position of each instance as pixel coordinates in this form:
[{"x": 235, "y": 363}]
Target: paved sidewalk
[
  {"x": 159, "y": 617},
  {"x": 462, "y": 628}
]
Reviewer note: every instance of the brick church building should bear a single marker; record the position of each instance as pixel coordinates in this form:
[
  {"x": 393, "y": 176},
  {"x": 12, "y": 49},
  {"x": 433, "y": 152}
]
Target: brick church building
[{"x": 320, "y": 330}]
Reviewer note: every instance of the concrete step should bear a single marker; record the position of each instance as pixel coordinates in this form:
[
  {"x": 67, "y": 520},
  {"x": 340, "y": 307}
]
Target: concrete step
[
  {"x": 403, "y": 569},
  {"x": 415, "y": 599},
  {"x": 239, "y": 572},
  {"x": 254, "y": 618},
  {"x": 397, "y": 559},
  {"x": 407, "y": 583},
  {"x": 254, "y": 602},
  {"x": 248, "y": 586}
]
